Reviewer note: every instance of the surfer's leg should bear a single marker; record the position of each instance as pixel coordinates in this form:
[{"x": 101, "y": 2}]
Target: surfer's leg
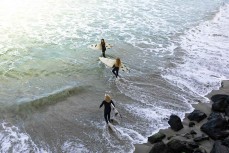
[
  {"x": 104, "y": 54},
  {"x": 108, "y": 115},
  {"x": 117, "y": 73},
  {"x": 114, "y": 71},
  {"x": 105, "y": 116}
]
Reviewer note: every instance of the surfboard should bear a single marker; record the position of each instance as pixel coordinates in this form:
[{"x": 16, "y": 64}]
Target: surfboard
[
  {"x": 114, "y": 121},
  {"x": 111, "y": 126},
  {"x": 110, "y": 62},
  {"x": 99, "y": 46},
  {"x": 115, "y": 111}
]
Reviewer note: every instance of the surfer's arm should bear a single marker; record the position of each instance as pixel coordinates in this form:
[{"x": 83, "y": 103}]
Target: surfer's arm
[
  {"x": 113, "y": 103},
  {"x": 101, "y": 105}
]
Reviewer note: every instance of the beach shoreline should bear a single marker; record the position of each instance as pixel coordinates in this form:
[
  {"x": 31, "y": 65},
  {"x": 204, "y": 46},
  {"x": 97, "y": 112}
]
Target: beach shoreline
[{"x": 204, "y": 107}]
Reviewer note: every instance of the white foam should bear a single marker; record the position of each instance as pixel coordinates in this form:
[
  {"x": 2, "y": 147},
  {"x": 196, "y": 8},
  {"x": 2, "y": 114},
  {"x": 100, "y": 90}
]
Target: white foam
[
  {"x": 151, "y": 113},
  {"x": 145, "y": 24},
  {"x": 206, "y": 63},
  {"x": 12, "y": 139},
  {"x": 132, "y": 135},
  {"x": 74, "y": 146}
]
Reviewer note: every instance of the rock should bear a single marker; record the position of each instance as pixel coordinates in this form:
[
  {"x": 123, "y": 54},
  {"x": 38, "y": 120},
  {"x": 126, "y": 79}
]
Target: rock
[
  {"x": 193, "y": 145},
  {"x": 187, "y": 136},
  {"x": 227, "y": 111},
  {"x": 197, "y": 151},
  {"x": 191, "y": 124},
  {"x": 179, "y": 146},
  {"x": 220, "y": 102},
  {"x": 159, "y": 147},
  {"x": 220, "y": 97},
  {"x": 215, "y": 128},
  {"x": 219, "y": 148},
  {"x": 200, "y": 150},
  {"x": 197, "y": 116},
  {"x": 219, "y": 106},
  {"x": 201, "y": 138},
  {"x": 156, "y": 137},
  {"x": 192, "y": 132},
  {"x": 170, "y": 137},
  {"x": 175, "y": 123},
  {"x": 225, "y": 142},
  {"x": 219, "y": 135},
  {"x": 215, "y": 115}
]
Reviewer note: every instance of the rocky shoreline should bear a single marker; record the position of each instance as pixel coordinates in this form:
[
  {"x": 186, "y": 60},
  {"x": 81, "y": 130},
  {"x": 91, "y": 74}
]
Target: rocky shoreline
[{"x": 205, "y": 130}]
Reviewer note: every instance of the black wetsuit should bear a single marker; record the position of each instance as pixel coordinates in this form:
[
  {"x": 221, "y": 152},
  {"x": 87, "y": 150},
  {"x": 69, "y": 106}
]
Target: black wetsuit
[
  {"x": 115, "y": 71},
  {"x": 107, "y": 109},
  {"x": 103, "y": 49}
]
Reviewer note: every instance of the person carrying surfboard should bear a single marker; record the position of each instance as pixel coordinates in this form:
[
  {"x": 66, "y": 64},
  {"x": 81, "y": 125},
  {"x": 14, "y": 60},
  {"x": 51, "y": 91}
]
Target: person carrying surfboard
[
  {"x": 103, "y": 44},
  {"x": 107, "y": 102},
  {"x": 116, "y": 67}
]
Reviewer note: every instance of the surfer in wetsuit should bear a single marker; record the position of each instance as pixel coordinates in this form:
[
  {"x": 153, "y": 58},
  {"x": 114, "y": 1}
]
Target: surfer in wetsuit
[
  {"x": 103, "y": 44},
  {"x": 116, "y": 67},
  {"x": 107, "y": 107}
]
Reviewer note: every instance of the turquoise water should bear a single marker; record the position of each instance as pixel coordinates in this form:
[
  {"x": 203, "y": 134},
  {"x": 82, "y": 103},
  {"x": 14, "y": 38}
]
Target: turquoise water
[{"x": 177, "y": 52}]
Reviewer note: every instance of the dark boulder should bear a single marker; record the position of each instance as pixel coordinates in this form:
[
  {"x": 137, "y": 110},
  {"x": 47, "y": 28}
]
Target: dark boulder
[
  {"x": 225, "y": 142},
  {"x": 192, "y": 132},
  {"x": 156, "y": 137},
  {"x": 175, "y": 123},
  {"x": 217, "y": 122},
  {"x": 193, "y": 145},
  {"x": 219, "y": 97},
  {"x": 197, "y": 116},
  {"x": 160, "y": 147},
  {"x": 200, "y": 150},
  {"x": 215, "y": 128},
  {"x": 191, "y": 124},
  {"x": 187, "y": 136},
  {"x": 215, "y": 115},
  {"x": 219, "y": 148},
  {"x": 219, "y": 106},
  {"x": 179, "y": 146},
  {"x": 170, "y": 137},
  {"x": 219, "y": 135},
  {"x": 227, "y": 111},
  {"x": 201, "y": 138}
]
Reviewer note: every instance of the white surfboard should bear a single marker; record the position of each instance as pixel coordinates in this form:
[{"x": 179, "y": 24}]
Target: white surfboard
[
  {"x": 99, "y": 46},
  {"x": 115, "y": 111},
  {"x": 111, "y": 126},
  {"x": 110, "y": 62},
  {"x": 114, "y": 121}
]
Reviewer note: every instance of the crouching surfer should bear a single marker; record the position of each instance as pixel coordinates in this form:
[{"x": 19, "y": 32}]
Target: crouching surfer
[{"x": 107, "y": 102}]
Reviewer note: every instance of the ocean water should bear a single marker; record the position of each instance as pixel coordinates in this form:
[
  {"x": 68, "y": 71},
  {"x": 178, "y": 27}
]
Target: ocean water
[{"x": 52, "y": 84}]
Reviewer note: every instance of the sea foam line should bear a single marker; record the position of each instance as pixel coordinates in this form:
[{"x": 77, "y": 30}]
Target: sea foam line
[{"x": 206, "y": 60}]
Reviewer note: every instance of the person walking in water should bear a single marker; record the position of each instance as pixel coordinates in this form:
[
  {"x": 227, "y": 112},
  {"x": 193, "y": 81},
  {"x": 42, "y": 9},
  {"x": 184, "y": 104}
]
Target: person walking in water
[
  {"x": 107, "y": 102},
  {"x": 116, "y": 67},
  {"x": 103, "y": 44}
]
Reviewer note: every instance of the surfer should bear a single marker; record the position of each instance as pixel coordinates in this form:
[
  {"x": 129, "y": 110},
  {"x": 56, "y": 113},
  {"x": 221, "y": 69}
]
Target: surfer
[
  {"x": 107, "y": 107},
  {"x": 116, "y": 67},
  {"x": 103, "y": 44}
]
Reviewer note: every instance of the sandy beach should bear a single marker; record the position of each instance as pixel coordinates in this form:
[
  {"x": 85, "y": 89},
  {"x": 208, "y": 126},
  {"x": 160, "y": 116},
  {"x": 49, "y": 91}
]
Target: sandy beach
[{"x": 204, "y": 107}]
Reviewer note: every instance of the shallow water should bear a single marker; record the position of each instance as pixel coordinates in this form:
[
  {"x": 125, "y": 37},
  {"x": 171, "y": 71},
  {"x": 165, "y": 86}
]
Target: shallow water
[{"x": 52, "y": 84}]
